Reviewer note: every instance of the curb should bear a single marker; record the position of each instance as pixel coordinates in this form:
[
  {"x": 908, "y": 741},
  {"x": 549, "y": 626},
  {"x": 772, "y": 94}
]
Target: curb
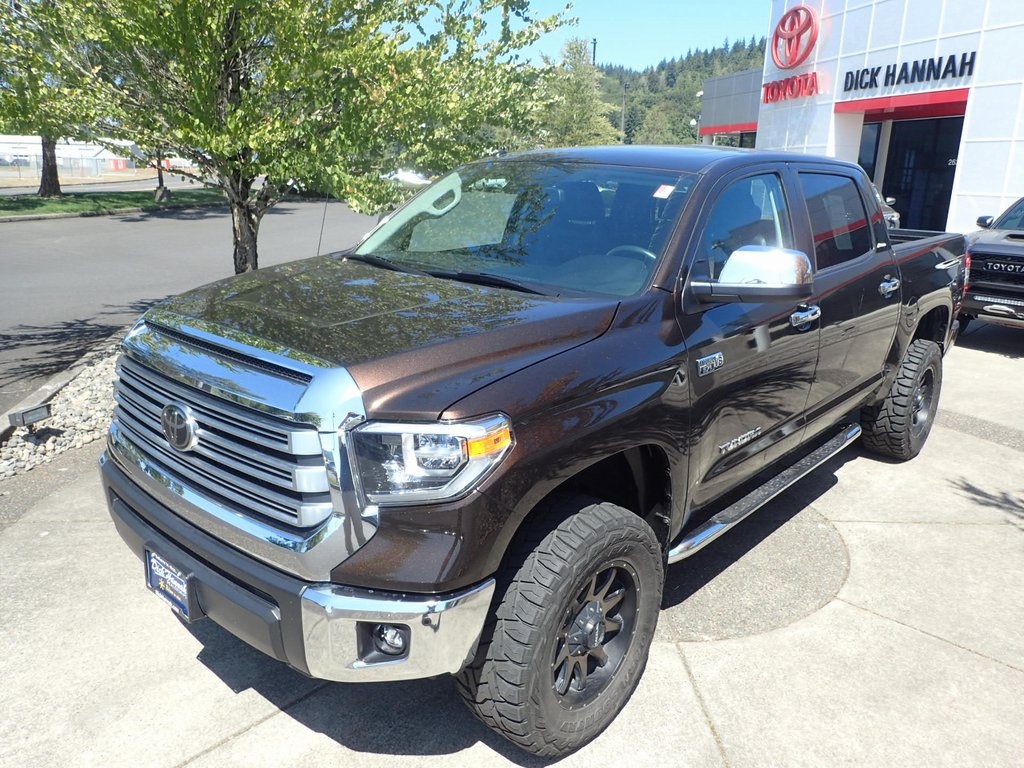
[
  {"x": 52, "y": 386},
  {"x": 91, "y": 214}
]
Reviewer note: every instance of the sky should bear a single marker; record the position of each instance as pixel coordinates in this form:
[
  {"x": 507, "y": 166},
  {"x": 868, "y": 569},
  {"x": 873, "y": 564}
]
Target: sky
[{"x": 639, "y": 33}]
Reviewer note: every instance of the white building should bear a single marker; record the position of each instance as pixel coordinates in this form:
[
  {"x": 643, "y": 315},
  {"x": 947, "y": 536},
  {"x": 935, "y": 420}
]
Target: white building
[
  {"x": 927, "y": 95},
  {"x": 68, "y": 152}
]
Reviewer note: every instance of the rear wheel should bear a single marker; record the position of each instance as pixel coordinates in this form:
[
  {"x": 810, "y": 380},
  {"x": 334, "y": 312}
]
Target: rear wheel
[
  {"x": 899, "y": 426},
  {"x": 569, "y": 639}
]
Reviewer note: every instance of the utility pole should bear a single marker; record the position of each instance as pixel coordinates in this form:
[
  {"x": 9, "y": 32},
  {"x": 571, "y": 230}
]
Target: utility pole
[
  {"x": 594, "y": 44},
  {"x": 622, "y": 126}
]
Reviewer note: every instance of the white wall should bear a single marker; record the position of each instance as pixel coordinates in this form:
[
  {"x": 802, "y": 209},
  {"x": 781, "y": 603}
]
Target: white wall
[
  {"x": 862, "y": 33},
  {"x": 990, "y": 167}
]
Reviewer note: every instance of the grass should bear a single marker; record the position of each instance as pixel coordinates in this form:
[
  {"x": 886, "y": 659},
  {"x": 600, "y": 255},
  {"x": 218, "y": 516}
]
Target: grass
[{"x": 104, "y": 202}]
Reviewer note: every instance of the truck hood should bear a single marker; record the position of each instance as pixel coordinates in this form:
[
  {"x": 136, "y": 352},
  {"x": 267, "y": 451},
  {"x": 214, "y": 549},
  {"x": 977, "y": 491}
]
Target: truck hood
[
  {"x": 414, "y": 344},
  {"x": 1009, "y": 242}
]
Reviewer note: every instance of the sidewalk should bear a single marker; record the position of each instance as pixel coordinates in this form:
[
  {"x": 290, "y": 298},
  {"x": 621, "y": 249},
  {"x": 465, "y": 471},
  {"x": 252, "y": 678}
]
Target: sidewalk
[{"x": 870, "y": 616}]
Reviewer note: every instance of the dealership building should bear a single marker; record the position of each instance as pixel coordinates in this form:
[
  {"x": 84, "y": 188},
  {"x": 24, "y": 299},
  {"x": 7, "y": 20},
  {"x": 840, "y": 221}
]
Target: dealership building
[{"x": 927, "y": 95}]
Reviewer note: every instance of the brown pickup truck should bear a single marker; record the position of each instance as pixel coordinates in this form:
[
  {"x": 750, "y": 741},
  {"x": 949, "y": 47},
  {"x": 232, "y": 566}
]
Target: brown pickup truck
[{"x": 473, "y": 443}]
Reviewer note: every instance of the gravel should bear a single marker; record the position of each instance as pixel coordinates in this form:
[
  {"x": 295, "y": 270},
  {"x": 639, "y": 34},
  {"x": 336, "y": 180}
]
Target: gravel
[{"x": 81, "y": 414}]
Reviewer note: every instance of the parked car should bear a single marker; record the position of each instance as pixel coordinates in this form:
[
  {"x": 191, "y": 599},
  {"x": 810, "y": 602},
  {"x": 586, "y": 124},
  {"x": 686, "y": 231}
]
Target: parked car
[
  {"x": 891, "y": 215},
  {"x": 995, "y": 291},
  {"x": 472, "y": 444}
]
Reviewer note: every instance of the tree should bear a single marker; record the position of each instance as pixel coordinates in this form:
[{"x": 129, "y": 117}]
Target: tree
[
  {"x": 634, "y": 122},
  {"x": 33, "y": 97},
  {"x": 575, "y": 115},
  {"x": 260, "y": 98}
]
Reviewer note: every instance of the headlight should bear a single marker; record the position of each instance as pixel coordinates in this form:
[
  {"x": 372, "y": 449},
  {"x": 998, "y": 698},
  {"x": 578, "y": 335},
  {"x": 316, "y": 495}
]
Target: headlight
[{"x": 412, "y": 463}]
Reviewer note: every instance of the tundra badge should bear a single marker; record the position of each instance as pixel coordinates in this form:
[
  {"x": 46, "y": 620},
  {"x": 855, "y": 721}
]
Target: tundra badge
[{"x": 710, "y": 364}]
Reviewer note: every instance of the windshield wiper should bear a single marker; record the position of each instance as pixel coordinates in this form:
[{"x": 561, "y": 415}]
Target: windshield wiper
[
  {"x": 490, "y": 279},
  {"x": 380, "y": 261}
]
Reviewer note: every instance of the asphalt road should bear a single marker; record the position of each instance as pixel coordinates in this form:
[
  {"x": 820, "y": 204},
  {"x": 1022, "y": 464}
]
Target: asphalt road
[{"x": 68, "y": 284}]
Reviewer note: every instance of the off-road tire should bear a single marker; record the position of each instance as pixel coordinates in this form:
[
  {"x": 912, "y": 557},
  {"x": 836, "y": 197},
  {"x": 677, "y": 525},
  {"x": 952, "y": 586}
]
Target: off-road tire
[
  {"x": 899, "y": 425},
  {"x": 512, "y": 684}
]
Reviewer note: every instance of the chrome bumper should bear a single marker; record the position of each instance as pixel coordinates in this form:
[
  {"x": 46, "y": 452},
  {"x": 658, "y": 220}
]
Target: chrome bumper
[
  {"x": 443, "y": 632},
  {"x": 323, "y": 630}
]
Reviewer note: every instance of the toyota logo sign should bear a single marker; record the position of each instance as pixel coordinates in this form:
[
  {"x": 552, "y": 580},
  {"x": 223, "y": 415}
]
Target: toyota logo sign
[
  {"x": 179, "y": 426},
  {"x": 794, "y": 37}
]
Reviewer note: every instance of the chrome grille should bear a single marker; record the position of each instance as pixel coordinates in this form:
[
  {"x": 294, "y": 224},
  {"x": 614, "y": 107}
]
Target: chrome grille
[{"x": 245, "y": 459}]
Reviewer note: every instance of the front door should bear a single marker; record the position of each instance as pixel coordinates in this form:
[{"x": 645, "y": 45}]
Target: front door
[{"x": 750, "y": 367}]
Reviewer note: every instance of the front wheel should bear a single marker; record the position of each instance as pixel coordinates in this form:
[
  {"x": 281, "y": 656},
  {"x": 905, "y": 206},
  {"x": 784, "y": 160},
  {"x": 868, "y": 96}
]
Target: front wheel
[
  {"x": 899, "y": 425},
  {"x": 569, "y": 639}
]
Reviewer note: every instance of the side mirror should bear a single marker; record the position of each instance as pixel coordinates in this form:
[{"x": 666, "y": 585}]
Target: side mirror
[
  {"x": 890, "y": 201},
  {"x": 985, "y": 221},
  {"x": 758, "y": 273}
]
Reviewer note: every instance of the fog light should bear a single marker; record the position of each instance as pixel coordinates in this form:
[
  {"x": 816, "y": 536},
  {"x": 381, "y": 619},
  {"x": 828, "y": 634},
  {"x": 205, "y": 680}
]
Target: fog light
[{"x": 390, "y": 639}]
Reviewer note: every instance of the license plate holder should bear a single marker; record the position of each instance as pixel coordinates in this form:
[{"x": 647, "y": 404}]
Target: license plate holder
[{"x": 172, "y": 585}]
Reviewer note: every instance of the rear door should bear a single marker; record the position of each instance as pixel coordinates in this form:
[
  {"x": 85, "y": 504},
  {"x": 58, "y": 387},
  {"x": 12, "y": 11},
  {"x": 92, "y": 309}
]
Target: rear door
[
  {"x": 857, "y": 288},
  {"x": 750, "y": 368}
]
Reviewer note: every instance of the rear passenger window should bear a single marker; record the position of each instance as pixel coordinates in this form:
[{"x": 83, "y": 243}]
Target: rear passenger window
[{"x": 838, "y": 218}]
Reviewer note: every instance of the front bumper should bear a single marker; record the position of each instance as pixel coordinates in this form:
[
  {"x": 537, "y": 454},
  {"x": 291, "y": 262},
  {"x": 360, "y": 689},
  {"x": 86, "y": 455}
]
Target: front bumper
[
  {"x": 993, "y": 307},
  {"x": 322, "y": 630}
]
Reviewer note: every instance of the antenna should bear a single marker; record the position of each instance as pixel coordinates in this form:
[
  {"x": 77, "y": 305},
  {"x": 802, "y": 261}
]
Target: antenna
[{"x": 323, "y": 218}]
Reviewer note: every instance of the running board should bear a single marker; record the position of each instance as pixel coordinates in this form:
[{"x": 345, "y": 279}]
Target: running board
[{"x": 740, "y": 510}]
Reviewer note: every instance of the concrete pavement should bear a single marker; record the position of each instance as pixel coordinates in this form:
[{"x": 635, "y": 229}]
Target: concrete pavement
[{"x": 870, "y": 616}]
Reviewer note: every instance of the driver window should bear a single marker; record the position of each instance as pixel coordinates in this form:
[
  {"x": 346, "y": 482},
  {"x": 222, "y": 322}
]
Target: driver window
[{"x": 751, "y": 211}]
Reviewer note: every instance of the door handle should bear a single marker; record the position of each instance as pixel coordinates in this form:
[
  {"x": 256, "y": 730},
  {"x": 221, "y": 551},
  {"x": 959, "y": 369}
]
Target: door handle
[
  {"x": 889, "y": 286},
  {"x": 805, "y": 316}
]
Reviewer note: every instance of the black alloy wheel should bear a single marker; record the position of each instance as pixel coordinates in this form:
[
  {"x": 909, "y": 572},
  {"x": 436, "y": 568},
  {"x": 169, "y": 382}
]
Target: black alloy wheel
[
  {"x": 596, "y": 633},
  {"x": 898, "y": 426},
  {"x": 574, "y": 616}
]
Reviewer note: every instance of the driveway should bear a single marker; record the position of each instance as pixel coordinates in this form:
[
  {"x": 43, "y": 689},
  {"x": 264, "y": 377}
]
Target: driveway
[{"x": 869, "y": 616}]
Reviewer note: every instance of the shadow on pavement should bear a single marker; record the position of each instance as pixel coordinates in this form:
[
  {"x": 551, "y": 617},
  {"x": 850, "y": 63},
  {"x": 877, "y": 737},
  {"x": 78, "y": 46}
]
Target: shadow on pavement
[
  {"x": 198, "y": 213},
  {"x": 1010, "y": 503},
  {"x": 986, "y": 337},
  {"x": 416, "y": 717},
  {"x": 684, "y": 579},
  {"x": 45, "y": 350}
]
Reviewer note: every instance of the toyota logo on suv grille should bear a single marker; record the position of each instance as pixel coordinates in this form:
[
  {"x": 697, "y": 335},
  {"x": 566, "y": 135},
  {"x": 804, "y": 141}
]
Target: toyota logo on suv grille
[{"x": 179, "y": 426}]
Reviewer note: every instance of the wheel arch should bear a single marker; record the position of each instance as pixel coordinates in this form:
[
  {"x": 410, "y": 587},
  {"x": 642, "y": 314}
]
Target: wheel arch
[
  {"x": 934, "y": 325},
  {"x": 637, "y": 479}
]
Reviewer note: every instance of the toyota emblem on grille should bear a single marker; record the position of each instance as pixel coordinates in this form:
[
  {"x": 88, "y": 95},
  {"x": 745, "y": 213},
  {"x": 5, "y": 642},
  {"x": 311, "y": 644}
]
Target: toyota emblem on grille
[{"x": 179, "y": 426}]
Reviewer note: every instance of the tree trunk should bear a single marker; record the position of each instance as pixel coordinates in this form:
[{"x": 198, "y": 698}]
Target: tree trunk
[
  {"x": 246, "y": 225},
  {"x": 49, "y": 182}
]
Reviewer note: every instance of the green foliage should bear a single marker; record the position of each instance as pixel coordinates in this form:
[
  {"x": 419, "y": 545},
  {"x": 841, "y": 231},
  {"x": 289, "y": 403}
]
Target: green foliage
[
  {"x": 330, "y": 94},
  {"x": 574, "y": 114},
  {"x": 34, "y": 97},
  {"x": 662, "y": 100}
]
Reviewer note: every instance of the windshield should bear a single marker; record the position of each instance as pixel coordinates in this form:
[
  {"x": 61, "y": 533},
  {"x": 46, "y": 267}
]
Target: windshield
[
  {"x": 1013, "y": 218},
  {"x": 553, "y": 226}
]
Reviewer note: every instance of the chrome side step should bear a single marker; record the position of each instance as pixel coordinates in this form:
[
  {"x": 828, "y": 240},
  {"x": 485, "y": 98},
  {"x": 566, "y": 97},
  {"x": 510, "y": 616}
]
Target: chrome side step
[{"x": 740, "y": 510}]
